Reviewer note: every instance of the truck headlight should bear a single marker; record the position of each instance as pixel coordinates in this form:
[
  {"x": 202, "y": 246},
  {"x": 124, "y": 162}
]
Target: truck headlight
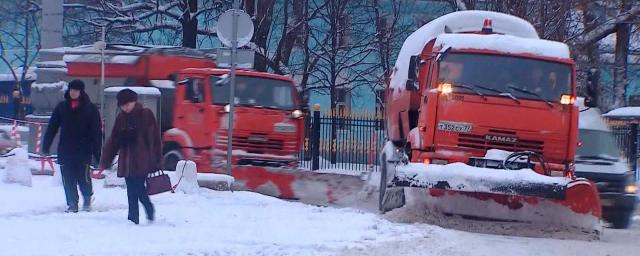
[
  {"x": 631, "y": 189},
  {"x": 227, "y": 108},
  {"x": 297, "y": 114}
]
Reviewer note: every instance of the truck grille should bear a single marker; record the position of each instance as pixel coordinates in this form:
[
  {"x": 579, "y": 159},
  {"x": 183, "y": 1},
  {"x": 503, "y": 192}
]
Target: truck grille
[
  {"x": 254, "y": 143},
  {"x": 480, "y": 142}
]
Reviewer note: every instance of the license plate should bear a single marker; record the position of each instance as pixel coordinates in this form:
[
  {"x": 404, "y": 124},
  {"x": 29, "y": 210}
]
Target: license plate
[{"x": 454, "y": 126}]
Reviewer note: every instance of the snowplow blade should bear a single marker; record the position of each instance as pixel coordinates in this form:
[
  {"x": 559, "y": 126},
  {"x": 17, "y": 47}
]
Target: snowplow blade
[
  {"x": 297, "y": 184},
  {"x": 497, "y": 194}
]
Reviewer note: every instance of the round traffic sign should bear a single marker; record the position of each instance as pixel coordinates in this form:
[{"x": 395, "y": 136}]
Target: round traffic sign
[{"x": 225, "y": 28}]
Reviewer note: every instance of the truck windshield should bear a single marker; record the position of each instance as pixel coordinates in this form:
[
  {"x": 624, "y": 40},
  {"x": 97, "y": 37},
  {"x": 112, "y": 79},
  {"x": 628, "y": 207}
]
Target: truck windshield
[
  {"x": 597, "y": 144},
  {"x": 254, "y": 91},
  {"x": 503, "y": 75}
]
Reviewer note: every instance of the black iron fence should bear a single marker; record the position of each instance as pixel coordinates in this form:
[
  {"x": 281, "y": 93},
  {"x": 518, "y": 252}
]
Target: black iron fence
[
  {"x": 626, "y": 135},
  {"x": 342, "y": 140}
]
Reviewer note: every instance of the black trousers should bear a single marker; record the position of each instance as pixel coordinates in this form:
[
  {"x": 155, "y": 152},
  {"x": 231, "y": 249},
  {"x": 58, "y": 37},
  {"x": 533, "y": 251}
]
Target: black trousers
[
  {"x": 136, "y": 191},
  {"x": 73, "y": 176}
]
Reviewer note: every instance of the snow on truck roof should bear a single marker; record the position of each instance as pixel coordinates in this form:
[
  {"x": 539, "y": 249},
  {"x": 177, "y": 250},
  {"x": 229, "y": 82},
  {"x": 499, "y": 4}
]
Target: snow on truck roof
[
  {"x": 504, "y": 43},
  {"x": 520, "y": 32}
]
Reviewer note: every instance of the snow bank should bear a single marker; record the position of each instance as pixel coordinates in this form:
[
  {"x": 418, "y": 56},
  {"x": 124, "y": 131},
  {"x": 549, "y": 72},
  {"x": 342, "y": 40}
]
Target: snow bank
[
  {"x": 17, "y": 169},
  {"x": 504, "y": 43},
  {"x": 186, "y": 174},
  {"x": 138, "y": 89},
  {"x": 457, "y": 22}
]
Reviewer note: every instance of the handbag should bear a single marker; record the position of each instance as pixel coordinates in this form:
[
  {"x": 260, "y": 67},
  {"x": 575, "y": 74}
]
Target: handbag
[{"x": 158, "y": 182}]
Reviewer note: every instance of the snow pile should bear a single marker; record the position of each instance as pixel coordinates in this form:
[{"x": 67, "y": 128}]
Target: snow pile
[
  {"x": 457, "y": 22},
  {"x": 505, "y": 44},
  {"x": 17, "y": 169},
  {"x": 473, "y": 179},
  {"x": 497, "y": 154},
  {"x": 186, "y": 173}
]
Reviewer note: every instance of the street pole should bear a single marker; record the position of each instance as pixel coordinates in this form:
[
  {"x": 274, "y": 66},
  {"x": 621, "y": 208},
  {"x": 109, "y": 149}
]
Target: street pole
[
  {"x": 104, "y": 44},
  {"x": 232, "y": 85}
]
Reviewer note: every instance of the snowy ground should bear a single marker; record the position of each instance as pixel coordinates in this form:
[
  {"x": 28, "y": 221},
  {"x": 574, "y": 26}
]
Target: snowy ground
[{"x": 244, "y": 223}]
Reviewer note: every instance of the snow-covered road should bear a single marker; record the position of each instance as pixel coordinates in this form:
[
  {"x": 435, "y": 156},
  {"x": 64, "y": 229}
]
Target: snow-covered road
[{"x": 244, "y": 223}]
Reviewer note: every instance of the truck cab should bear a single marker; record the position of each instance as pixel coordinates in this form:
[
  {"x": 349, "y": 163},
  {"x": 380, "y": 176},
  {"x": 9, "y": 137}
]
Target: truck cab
[
  {"x": 475, "y": 89},
  {"x": 268, "y": 120}
]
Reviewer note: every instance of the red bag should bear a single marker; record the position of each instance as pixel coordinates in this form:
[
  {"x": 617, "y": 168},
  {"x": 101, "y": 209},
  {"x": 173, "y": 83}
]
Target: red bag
[{"x": 158, "y": 182}]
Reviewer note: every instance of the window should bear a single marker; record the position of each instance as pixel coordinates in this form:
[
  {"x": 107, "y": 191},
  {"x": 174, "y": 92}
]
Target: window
[
  {"x": 344, "y": 31},
  {"x": 195, "y": 90},
  {"x": 255, "y": 91},
  {"x": 523, "y": 77}
]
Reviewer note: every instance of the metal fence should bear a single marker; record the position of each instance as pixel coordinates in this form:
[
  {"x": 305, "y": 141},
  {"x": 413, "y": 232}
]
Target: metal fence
[
  {"x": 626, "y": 135},
  {"x": 342, "y": 140}
]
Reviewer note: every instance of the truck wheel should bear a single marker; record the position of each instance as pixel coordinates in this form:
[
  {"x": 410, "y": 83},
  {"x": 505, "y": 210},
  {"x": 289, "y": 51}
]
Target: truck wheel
[
  {"x": 620, "y": 219},
  {"x": 171, "y": 159}
]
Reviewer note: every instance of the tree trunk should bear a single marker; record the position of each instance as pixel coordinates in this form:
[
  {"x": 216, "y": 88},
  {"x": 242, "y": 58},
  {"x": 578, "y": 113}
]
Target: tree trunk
[
  {"x": 262, "y": 12},
  {"x": 189, "y": 25},
  {"x": 623, "y": 31}
]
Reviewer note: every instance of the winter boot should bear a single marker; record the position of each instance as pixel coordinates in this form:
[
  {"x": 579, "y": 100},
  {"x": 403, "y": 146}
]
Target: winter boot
[
  {"x": 72, "y": 208},
  {"x": 86, "y": 203}
]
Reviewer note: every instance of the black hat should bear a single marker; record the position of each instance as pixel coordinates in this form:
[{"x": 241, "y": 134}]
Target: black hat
[
  {"x": 125, "y": 96},
  {"x": 76, "y": 85}
]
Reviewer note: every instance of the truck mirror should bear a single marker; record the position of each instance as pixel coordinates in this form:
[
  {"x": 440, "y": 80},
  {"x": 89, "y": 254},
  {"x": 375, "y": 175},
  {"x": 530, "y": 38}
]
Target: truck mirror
[
  {"x": 412, "y": 76},
  {"x": 443, "y": 54},
  {"x": 223, "y": 80}
]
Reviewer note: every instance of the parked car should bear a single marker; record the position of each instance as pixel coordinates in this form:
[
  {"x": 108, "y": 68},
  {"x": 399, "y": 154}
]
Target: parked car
[{"x": 600, "y": 160}]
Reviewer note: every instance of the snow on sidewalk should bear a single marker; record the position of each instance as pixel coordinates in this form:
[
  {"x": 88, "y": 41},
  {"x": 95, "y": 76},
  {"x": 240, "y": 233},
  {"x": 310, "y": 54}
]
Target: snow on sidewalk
[
  {"x": 210, "y": 222},
  {"x": 224, "y": 223}
]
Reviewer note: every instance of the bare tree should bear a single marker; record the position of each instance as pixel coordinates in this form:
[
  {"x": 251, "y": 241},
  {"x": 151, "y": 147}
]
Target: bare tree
[
  {"x": 389, "y": 37},
  {"x": 19, "y": 43},
  {"x": 148, "y": 21}
]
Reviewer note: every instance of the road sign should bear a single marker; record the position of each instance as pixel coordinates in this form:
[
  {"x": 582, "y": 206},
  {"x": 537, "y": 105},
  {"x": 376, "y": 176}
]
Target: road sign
[
  {"x": 225, "y": 28},
  {"x": 244, "y": 58}
]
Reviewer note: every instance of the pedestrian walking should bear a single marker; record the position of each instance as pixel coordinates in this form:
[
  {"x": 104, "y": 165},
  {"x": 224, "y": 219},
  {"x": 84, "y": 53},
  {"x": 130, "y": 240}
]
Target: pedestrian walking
[
  {"x": 78, "y": 120},
  {"x": 136, "y": 139}
]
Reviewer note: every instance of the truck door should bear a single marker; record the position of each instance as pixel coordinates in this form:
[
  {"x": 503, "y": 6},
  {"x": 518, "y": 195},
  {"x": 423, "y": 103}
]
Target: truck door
[{"x": 193, "y": 114}]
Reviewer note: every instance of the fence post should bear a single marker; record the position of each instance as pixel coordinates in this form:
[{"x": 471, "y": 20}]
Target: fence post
[
  {"x": 633, "y": 148},
  {"x": 306, "y": 152},
  {"x": 315, "y": 138}
]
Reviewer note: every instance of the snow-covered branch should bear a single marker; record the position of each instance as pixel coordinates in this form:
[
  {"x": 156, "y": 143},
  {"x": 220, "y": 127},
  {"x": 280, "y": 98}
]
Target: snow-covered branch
[{"x": 608, "y": 27}]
